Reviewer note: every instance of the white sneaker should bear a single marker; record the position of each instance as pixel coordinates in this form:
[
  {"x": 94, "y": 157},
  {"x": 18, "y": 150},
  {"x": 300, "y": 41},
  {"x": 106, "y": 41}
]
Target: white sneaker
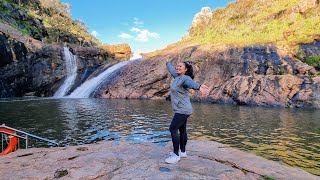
[
  {"x": 181, "y": 154},
  {"x": 173, "y": 158}
]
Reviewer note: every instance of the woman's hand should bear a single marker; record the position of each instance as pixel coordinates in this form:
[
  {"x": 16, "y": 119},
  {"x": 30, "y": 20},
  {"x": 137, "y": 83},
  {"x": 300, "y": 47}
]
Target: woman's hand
[{"x": 204, "y": 89}]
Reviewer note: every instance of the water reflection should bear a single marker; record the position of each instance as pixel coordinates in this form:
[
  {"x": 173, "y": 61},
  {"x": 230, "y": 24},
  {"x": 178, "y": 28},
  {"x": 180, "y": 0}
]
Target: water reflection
[
  {"x": 88, "y": 121},
  {"x": 289, "y": 136}
]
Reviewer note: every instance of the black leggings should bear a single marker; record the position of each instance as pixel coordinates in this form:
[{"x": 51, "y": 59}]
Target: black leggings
[{"x": 179, "y": 122}]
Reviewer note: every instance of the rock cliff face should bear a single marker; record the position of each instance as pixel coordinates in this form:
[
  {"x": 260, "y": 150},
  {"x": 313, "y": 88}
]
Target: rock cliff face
[
  {"x": 253, "y": 75},
  {"x": 19, "y": 62},
  {"x": 30, "y": 67}
]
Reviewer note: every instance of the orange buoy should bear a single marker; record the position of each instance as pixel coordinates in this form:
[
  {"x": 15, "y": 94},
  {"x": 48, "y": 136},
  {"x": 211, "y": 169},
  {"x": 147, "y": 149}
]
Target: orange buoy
[{"x": 12, "y": 143}]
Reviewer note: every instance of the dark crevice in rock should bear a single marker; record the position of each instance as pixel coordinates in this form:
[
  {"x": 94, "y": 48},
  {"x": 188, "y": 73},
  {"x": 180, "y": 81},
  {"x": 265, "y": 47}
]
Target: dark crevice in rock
[
  {"x": 161, "y": 92},
  {"x": 102, "y": 176},
  {"x": 23, "y": 155},
  {"x": 71, "y": 158},
  {"x": 113, "y": 172},
  {"x": 60, "y": 173},
  {"x": 245, "y": 171},
  {"x": 82, "y": 149}
]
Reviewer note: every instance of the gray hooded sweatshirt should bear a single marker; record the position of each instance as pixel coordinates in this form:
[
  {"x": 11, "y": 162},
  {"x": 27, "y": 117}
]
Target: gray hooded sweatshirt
[{"x": 179, "y": 91}]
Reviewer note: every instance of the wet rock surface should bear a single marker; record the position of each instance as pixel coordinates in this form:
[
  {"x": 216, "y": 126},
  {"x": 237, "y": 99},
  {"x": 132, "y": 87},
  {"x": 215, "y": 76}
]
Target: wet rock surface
[{"x": 126, "y": 160}]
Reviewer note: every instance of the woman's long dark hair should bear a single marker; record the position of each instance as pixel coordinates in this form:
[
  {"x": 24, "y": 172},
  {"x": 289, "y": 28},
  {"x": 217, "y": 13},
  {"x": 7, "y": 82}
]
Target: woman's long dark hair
[{"x": 189, "y": 69}]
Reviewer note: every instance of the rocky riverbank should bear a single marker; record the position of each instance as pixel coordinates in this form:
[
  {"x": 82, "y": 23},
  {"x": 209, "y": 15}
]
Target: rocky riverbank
[
  {"x": 127, "y": 160},
  {"x": 263, "y": 75}
]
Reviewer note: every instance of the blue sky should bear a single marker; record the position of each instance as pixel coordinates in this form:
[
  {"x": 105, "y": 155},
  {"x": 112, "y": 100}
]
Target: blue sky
[{"x": 146, "y": 25}]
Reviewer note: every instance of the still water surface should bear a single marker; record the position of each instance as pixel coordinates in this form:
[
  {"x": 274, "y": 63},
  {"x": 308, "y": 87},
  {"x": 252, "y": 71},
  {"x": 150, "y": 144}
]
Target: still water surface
[{"x": 291, "y": 136}]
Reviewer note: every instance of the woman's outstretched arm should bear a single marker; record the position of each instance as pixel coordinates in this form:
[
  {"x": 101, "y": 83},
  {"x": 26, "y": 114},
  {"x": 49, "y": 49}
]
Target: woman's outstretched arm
[
  {"x": 189, "y": 83},
  {"x": 171, "y": 69}
]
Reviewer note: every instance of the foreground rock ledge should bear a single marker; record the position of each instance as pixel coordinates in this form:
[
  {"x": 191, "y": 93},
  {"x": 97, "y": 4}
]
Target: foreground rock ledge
[{"x": 127, "y": 160}]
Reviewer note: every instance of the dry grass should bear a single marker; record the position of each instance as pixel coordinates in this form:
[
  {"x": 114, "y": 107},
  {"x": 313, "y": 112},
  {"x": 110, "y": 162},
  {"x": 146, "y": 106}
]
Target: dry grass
[{"x": 248, "y": 22}]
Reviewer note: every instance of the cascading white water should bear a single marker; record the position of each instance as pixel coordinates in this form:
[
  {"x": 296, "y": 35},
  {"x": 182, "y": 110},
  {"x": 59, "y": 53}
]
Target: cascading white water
[
  {"x": 90, "y": 85},
  {"x": 71, "y": 64},
  {"x": 136, "y": 56}
]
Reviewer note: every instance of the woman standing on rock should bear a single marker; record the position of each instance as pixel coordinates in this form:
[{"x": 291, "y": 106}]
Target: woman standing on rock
[{"x": 181, "y": 105}]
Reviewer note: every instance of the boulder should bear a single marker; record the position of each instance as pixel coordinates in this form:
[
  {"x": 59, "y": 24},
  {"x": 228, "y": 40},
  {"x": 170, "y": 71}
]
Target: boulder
[{"x": 119, "y": 51}]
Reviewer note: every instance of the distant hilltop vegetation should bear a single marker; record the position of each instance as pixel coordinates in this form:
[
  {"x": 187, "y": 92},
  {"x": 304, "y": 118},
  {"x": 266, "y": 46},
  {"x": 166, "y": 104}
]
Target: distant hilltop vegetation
[
  {"x": 46, "y": 20},
  {"x": 250, "y": 22}
]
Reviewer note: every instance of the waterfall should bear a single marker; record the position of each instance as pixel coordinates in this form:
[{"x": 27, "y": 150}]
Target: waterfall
[
  {"x": 136, "y": 56},
  {"x": 71, "y": 65},
  {"x": 90, "y": 85}
]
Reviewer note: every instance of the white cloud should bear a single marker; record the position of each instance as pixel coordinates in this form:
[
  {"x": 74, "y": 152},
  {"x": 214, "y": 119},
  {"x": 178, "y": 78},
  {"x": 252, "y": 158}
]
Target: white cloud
[
  {"x": 95, "y": 33},
  {"x": 135, "y": 29},
  {"x": 137, "y": 21},
  {"x": 125, "y": 36},
  {"x": 144, "y": 35}
]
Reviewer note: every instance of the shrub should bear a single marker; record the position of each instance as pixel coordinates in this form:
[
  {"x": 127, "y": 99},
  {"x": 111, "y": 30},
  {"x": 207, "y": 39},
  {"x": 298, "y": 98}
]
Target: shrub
[
  {"x": 313, "y": 61},
  {"x": 300, "y": 55}
]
